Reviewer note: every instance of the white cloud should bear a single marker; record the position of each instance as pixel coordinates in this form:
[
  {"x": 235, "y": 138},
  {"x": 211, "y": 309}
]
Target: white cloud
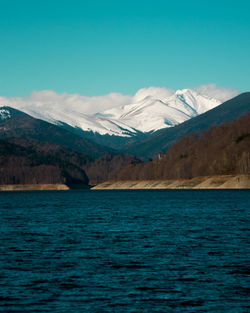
[
  {"x": 50, "y": 103},
  {"x": 160, "y": 93},
  {"x": 220, "y": 93},
  {"x": 50, "y": 100}
]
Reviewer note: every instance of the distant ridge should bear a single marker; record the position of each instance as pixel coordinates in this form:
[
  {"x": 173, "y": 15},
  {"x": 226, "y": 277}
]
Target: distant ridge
[
  {"x": 14, "y": 123},
  {"x": 149, "y": 110},
  {"x": 33, "y": 151},
  {"x": 221, "y": 150},
  {"x": 164, "y": 139}
]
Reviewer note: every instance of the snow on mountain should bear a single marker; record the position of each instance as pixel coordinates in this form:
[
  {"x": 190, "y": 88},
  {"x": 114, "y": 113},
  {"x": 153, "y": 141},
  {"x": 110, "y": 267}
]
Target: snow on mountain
[
  {"x": 4, "y": 114},
  {"x": 150, "y": 109},
  {"x": 94, "y": 123},
  {"x": 152, "y": 113},
  {"x": 160, "y": 93}
]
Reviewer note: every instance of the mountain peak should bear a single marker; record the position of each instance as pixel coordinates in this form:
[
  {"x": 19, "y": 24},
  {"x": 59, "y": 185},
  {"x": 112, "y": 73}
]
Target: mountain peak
[
  {"x": 151, "y": 109},
  {"x": 153, "y": 92},
  {"x": 186, "y": 91}
]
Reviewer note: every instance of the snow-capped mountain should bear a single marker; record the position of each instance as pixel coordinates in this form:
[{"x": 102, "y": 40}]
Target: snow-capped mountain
[
  {"x": 149, "y": 110},
  {"x": 95, "y": 123},
  {"x": 150, "y": 113}
]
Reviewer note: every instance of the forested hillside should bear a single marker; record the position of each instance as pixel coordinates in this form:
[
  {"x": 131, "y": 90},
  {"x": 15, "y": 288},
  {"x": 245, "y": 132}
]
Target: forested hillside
[
  {"x": 223, "y": 149},
  {"x": 27, "y": 161},
  {"x": 164, "y": 139},
  {"x": 30, "y": 162},
  {"x": 17, "y": 124}
]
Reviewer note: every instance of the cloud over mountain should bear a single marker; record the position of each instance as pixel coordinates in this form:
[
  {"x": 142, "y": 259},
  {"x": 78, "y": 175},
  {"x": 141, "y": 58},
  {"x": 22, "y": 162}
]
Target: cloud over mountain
[
  {"x": 156, "y": 92},
  {"x": 49, "y": 99},
  {"x": 220, "y": 93}
]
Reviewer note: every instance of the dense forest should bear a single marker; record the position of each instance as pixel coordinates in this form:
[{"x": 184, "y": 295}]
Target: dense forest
[
  {"x": 223, "y": 149},
  {"x": 106, "y": 167},
  {"x": 27, "y": 161},
  {"x": 30, "y": 162},
  {"x": 34, "y": 152}
]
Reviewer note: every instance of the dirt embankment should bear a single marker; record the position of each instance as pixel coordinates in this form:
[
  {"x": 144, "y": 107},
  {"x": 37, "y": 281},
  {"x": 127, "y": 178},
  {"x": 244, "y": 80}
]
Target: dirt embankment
[
  {"x": 206, "y": 182},
  {"x": 33, "y": 187}
]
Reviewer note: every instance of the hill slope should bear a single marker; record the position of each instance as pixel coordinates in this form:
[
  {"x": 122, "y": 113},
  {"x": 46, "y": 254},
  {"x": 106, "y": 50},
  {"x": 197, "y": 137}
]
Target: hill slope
[
  {"x": 163, "y": 140},
  {"x": 14, "y": 123},
  {"x": 34, "y": 151},
  {"x": 222, "y": 150},
  {"x": 30, "y": 162},
  {"x": 27, "y": 161}
]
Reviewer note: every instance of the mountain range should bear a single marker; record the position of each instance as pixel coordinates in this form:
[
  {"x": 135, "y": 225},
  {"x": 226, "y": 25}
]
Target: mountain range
[
  {"x": 32, "y": 150},
  {"x": 150, "y": 109},
  {"x": 17, "y": 124},
  {"x": 220, "y": 150},
  {"x": 162, "y": 140},
  {"x": 51, "y": 146}
]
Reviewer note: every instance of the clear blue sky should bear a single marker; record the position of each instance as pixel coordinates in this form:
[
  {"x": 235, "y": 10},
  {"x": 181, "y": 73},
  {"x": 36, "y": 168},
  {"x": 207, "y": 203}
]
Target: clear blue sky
[{"x": 96, "y": 47}]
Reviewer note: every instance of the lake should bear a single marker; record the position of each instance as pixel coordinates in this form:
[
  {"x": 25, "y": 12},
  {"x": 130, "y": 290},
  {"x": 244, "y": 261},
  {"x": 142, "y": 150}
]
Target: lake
[{"x": 124, "y": 251}]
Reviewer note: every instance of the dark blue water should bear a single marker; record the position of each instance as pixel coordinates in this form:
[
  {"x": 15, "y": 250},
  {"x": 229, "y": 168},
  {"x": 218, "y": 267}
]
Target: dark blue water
[{"x": 124, "y": 251}]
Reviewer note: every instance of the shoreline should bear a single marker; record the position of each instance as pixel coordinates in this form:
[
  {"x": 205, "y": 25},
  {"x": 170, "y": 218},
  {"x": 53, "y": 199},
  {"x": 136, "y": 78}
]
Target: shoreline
[
  {"x": 23, "y": 187},
  {"x": 202, "y": 182}
]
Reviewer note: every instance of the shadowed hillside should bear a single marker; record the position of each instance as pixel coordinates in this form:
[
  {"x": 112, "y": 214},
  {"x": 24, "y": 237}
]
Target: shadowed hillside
[
  {"x": 103, "y": 168},
  {"x": 30, "y": 162},
  {"x": 21, "y": 125},
  {"x": 163, "y": 140},
  {"x": 34, "y": 151},
  {"x": 223, "y": 149},
  {"x": 27, "y": 161}
]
